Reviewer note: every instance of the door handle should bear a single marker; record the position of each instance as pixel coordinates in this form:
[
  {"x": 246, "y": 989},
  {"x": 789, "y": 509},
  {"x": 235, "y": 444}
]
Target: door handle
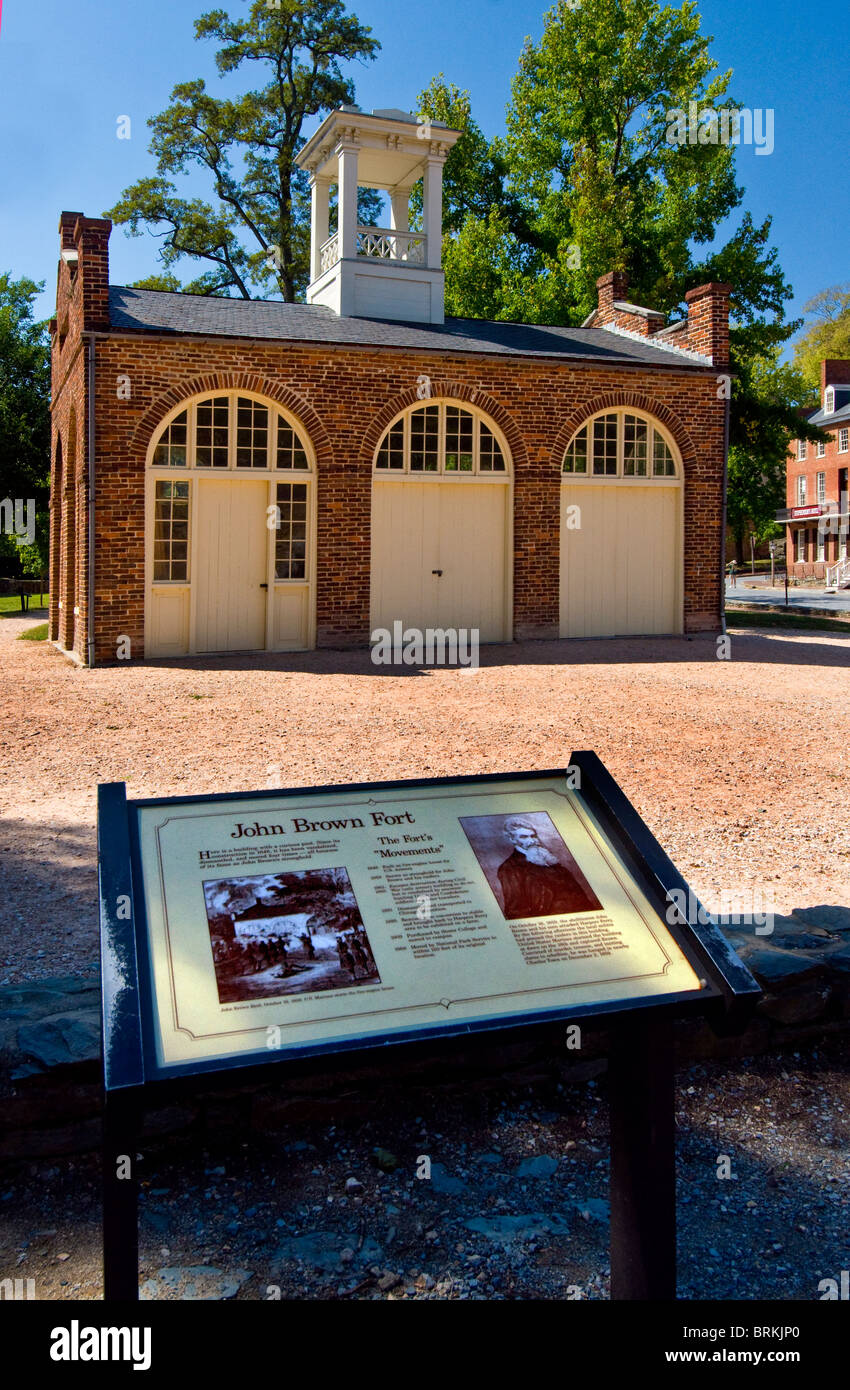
[
  {"x": 264, "y": 586},
  {"x": 437, "y": 572}
]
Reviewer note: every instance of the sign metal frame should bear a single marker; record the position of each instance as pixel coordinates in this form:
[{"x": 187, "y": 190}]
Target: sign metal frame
[{"x": 641, "y": 1069}]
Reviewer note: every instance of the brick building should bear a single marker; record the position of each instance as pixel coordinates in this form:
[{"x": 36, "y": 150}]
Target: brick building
[
  {"x": 816, "y": 512},
  {"x": 234, "y": 475}
]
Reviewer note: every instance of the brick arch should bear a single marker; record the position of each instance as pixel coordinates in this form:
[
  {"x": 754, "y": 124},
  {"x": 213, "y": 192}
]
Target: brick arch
[
  {"x": 444, "y": 390},
  {"x": 234, "y": 381},
  {"x": 617, "y": 400}
]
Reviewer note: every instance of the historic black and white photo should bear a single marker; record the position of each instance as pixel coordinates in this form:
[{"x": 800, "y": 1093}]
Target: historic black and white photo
[
  {"x": 287, "y": 933},
  {"x": 528, "y": 866}
]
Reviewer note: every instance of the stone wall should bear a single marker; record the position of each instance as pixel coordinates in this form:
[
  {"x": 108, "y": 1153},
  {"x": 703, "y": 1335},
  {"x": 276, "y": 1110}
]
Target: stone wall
[{"x": 50, "y": 1049}]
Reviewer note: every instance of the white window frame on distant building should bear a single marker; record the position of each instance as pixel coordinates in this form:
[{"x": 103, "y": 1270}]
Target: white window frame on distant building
[
  {"x": 802, "y": 449},
  {"x": 829, "y": 400},
  {"x": 800, "y": 550},
  {"x": 820, "y": 553},
  {"x": 821, "y": 449},
  {"x": 843, "y": 441},
  {"x": 801, "y": 490},
  {"x": 821, "y": 488}
]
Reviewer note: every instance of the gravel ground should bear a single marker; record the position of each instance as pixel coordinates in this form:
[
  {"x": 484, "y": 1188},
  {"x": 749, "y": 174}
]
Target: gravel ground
[
  {"x": 740, "y": 767},
  {"x": 516, "y": 1206}
]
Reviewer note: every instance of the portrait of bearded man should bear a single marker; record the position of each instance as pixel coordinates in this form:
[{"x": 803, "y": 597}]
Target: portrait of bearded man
[{"x": 534, "y": 882}]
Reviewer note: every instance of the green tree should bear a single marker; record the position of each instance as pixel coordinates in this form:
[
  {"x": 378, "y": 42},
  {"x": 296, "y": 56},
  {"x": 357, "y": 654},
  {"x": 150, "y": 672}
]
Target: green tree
[
  {"x": 24, "y": 409},
  {"x": 590, "y": 177},
  {"x": 758, "y": 451},
  {"x": 827, "y": 334},
  {"x": 255, "y": 236}
]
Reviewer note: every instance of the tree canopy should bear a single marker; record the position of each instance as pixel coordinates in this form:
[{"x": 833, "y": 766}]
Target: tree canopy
[
  {"x": 254, "y": 238},
  {"x": 590, "y": 177},
  {"x": 24, "y": 403},
  {"x": 827, "y": 334}
]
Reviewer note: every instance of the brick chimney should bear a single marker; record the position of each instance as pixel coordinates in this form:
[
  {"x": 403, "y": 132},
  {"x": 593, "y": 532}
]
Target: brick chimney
[
  {"x": 834, "y": 371},
  {"x": 611, "y": 287},
  {"x": 67, "y": 223},
  {"x": 91, "y": 241},
  {"x": 708, "y": 322}
]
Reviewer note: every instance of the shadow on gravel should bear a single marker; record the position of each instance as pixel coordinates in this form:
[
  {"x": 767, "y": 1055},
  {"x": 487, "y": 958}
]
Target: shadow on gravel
[
  {"x": 748, "y": 648},
  {"x": 49, "y": 894}
]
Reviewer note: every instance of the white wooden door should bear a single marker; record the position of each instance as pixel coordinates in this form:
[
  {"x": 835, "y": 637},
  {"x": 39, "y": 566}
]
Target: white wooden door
[
  {"x": 440, "y": 556},
  {"x": 620, "y": 560},
  {"x": 231, "y": 565}
]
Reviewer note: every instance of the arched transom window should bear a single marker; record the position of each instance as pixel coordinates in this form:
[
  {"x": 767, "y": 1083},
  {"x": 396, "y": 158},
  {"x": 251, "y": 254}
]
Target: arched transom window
[
  {"x": 621, "y": 444},
  {"x": 441, "y": 438},
  {"x": 230, "y": 431}
]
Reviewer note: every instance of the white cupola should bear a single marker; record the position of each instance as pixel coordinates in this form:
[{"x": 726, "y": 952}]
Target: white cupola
[{"x": 377, "y": 272}]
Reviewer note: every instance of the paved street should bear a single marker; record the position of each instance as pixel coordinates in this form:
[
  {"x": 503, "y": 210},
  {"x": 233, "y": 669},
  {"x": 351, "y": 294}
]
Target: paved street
[{"x": 797, "y": 598}]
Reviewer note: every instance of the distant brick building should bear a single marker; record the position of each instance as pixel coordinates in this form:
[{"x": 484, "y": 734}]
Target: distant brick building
[
  {"x": 816, "y": 513},
  {"x": 233, "y": 475}
]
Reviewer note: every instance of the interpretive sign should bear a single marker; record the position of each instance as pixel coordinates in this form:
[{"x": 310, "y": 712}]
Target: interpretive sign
[{"x": 255, "y": 928}]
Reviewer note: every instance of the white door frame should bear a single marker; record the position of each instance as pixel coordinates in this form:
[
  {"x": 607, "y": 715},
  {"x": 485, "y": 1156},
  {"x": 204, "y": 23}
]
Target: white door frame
[
  {"x": 620, "y": 482},
  {"x": 195, "y": 476},
  {"x": 451, "y": 478}
]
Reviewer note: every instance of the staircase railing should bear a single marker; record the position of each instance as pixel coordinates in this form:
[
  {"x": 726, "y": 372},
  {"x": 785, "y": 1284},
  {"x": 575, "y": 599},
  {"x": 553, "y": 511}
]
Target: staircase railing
[{"x": 838, "y": 575}]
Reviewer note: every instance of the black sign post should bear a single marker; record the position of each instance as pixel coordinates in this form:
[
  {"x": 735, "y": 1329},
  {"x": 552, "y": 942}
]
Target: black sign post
[{"x": 641, "y": 1071}]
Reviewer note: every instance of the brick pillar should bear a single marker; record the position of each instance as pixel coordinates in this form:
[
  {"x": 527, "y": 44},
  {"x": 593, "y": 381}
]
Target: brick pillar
[
  {"x": 56, "y": 486},
  {"x": 69, "y": 562},
  {"x": 91, "y": 237},
  {"x": 610, "y": 287},
  {"x": 708, "y": 322}
]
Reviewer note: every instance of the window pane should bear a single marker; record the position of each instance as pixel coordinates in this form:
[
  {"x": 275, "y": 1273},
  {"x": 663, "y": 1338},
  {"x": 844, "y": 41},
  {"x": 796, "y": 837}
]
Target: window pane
[
  {"x": 575, "y": 459},
  {"x": 291, "y": 535},
  {"x": 252, "y": 421},
  {"x": 459, "y": 437},
  {"x": 605, "y": 446},
  {"x": 170, "y": 451},
  {"x": 211, "y": 451},
  {"x": 424, "y": 439},
  {"x": 662, "y": 460},
  {"x": 171, "y": 532},
  {"x": 391, "y": 451},
  {"x": 635, "y": 445},
  {"x": 490, "y": 458}
]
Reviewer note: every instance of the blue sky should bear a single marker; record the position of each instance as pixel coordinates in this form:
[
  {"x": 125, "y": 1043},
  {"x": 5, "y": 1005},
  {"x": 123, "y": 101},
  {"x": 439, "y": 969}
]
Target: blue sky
[{"x": 67, "y": 72}]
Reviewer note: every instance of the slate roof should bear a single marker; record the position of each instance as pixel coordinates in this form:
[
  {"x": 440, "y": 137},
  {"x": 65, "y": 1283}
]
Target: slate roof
[
  {"x": 838, "y": 417},
  {"x": 163, "y": 312}
]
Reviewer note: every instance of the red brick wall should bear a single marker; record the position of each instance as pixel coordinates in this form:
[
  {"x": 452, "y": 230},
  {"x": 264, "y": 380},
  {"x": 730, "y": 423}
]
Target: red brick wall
[
  {"x": 68, "y": 486},
  {"x": 834, "y": 371},
  {"x": 836, "y": 466},
  {"x": 344, "y": 398}
]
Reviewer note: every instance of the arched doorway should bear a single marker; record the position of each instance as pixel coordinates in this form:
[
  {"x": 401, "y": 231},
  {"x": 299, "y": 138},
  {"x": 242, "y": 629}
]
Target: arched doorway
[
  {"x": 621, "y": 528},
  {"x": 230, "y": 529},
  {"x": 441, "y": 522}
]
